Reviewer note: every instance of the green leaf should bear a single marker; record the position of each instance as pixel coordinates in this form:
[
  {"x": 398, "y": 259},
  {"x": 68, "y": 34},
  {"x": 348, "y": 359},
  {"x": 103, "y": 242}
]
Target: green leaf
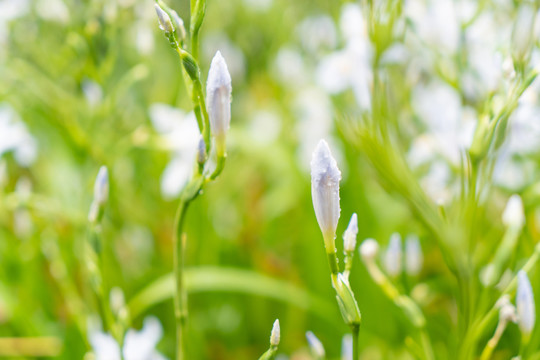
[{"x": 214, "y": 279}]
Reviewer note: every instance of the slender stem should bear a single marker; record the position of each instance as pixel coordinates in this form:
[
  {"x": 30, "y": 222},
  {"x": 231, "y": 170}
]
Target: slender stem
[
  {"x": 180, "y": 298},
  {"x": 355, "y": 341},
  {"x": 426, "y": 345}
]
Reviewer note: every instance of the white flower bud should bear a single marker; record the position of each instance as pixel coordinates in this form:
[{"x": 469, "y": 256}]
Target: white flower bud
[
  {"x": 349, "y": 236},
  {"x": 315, "y": 345},
  {"x": 179, "y": 25},
  {"x": 218, "y": 94},
  {"x": 513, "y": 214},
  {"x": 392, "y": 256},
  {"x": 369, "y": 249},
  {"x": 525, "y": 304},
  {"x": 275, "y": 335},
  {"x": 201, "y": 151},
  {"x": 325, "y": 177},
  {"x": 101, "y": 186},
  {"x": 413, "y": 255},
  {"x": 165, "y": 23}
]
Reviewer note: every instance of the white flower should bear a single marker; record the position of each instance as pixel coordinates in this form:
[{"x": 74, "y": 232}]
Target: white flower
[
  {"x": 218, "y": 94},
  {"x": 138, "y": 345},
  {"x": 513, "y": 214},
  {"x": 525, "y": 304},
  {"x": 325, "y": 177},
  {"x": 275, "y": 334},
  {"x": 349, "y": 237},
  {"x": 315, "y": 345},
  {"x": 413, "y": 255},
  {"x": 181, "y": 135},
  {"x": 392, "y": 256}
]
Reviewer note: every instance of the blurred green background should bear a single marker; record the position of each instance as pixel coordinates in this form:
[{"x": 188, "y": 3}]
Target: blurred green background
[{"x": 87, "y": 83}]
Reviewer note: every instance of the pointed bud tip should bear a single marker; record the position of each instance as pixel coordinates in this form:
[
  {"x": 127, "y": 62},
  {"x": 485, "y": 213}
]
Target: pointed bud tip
[
  {"x": 525, "y": 304},
  {"x": 165, "y": 23},
  {"x": 349, "y": 236},
  {"x": 315, "y": 344},
  {"x": 101, "y": 186},
  {"x": 275, "y": 334}
]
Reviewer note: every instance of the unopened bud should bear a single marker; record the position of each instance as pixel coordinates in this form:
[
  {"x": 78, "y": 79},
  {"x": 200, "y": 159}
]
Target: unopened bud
[
  {"x": 392, "y": 256},
  {"x": 413, "y": 255},
  {"x": 513, "y": 214},
  {"x": 315, "y": 345},
  {"x": 275, "y": 335},
  {"x": 507, "y": 311},
  {"x": 347, "y": 302},
  {"x": 178, "y": 25},
  {"x": 349, "y": 237},
  {"x": 101, "y": 186},
  {"x": 218, "y": 93},
  {"x": 369, "y": 250},
  {"x": 525, "y": 304},
  {"x": 523, "y": 32},
  {"x": 165, "y": 23},
  {"x": 325, "y": 178}
]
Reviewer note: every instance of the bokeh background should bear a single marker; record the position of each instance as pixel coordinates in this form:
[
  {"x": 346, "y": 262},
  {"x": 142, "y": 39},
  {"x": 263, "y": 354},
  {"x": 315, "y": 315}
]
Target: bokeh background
[{"x": 91, "y": 83}]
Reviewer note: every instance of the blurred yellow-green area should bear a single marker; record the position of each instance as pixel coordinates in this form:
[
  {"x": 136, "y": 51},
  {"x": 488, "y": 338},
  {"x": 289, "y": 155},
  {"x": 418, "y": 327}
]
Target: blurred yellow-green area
[{"x": 403, "y": 91}]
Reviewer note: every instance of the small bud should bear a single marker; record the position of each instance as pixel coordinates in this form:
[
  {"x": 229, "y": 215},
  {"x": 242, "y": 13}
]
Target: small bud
[
  {"x": 349, "y": 237},
  {"x": 165, "y": 23},
  {"x": 392, "y": 256},
  {"x": 275, "y": 335},
  {"x": 369, "y": 249},
  {"x": 101, "y": 186},
  {"x": 513, "y": 214},
  {"x": 525, "y": 304},
  {"x": 315, "y": 345},
  {"x": 178, "y": 25},
  {"x": 346, "y": 301},
  {"x": 218, "y": 93},
  {"x": 325, "y": 178},
  {"x": 201, "y": 151},
  {"x": 413, "y": 255}
]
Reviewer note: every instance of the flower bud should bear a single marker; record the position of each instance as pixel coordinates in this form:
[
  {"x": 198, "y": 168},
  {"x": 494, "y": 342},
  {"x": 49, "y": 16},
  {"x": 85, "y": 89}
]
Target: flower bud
[
  {"x": 101, "y": 186},
  {"x": 369, "y": 250},
  {"x": 325, "y": 178},
  {"x": 413, "y": 255},
  {"x": 523, "y": 32},
  {"x": 178, "y": 25},
  {"x": 346, "y": 301},
  {"x": 507, "y": 311},
  {"x": 218, "y": 93},
  {"x": 513, "y": 215},
  {"x": 315, "y": 345},
  {"x": 392, "y": 256},
  {"x": 165, "y": 23},
  {"x": 349, "y": 236},
  {"x": 525, "y": 304},
  {"x": 275, "y": 335}
]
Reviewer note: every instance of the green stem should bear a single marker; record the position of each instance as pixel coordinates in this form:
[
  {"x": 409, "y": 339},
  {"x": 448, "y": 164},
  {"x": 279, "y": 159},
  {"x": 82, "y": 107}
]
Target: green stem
[
  {"x": 180, "y": 298},
  {"x": 355, "y": 339}
]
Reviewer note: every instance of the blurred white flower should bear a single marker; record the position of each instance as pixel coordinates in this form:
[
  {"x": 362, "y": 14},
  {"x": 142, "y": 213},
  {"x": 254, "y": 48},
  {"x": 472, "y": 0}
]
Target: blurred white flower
[
  {"x": 143, "y": 37},
  {"x": 265, "y": 127},
  {"x": 53, "y": 10},
  {"x": 181, "y": 134},
  {"x": 317, "y": 33},
  {"x": 393, "y": 256},
  {"x": 218, "y": 100},
  {"x": 369, "y": 249},
  {"x": 290, "y": 68},
  {"x": 138, "y": 345},
  {"x": 525, "y": 304},
  {"x": 435, "y": 22},
  {"x": 413, "y": 255},
  {"x": 15, "y": 137},
  {"x": 92, "y": 92},
  {"x": 513, "y": 214},
  {"x": 259, "y": 5},
  {"x": 315, "y": 345}
]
